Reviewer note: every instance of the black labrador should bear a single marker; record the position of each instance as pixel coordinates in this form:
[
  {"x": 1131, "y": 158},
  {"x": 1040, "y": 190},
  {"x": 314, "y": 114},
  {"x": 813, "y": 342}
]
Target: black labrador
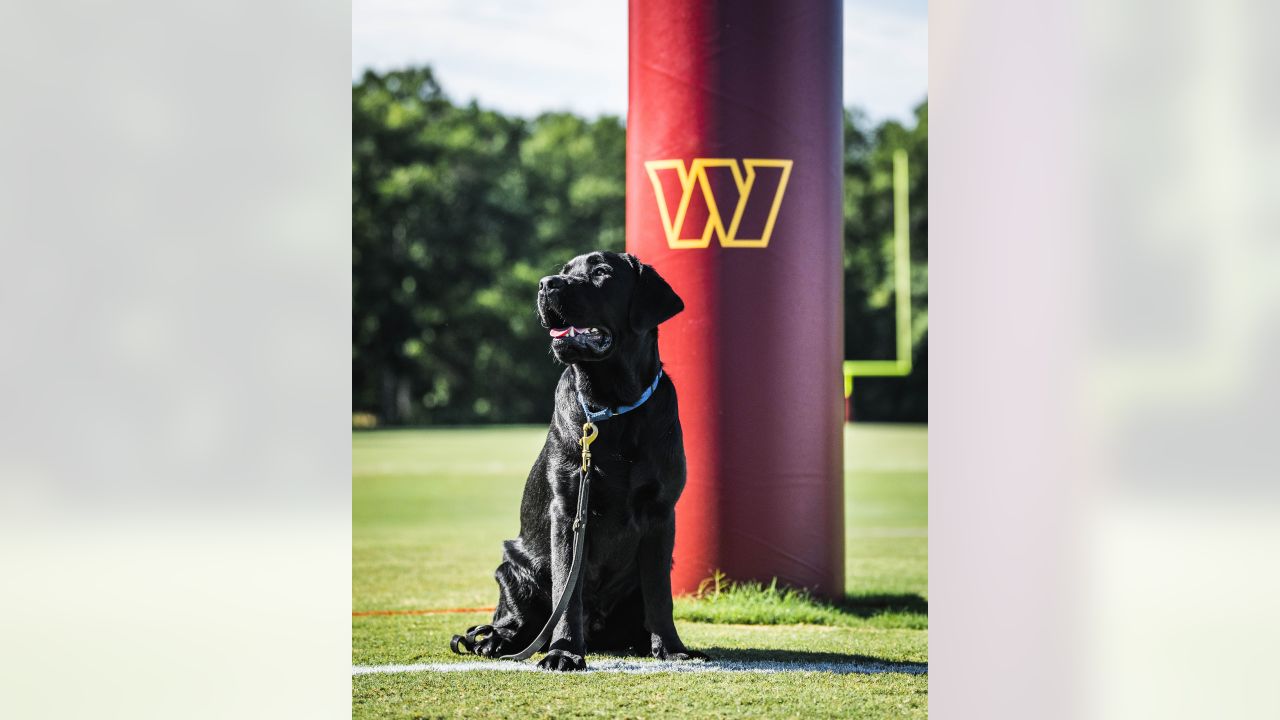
[{"x": 602, "y": 312}]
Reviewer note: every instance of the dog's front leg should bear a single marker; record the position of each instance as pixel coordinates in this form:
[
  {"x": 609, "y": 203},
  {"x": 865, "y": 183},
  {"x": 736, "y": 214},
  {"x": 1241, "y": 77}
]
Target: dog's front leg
[
  {"x": 568, "y": 644},
  {"x": 655, "y": 584}
]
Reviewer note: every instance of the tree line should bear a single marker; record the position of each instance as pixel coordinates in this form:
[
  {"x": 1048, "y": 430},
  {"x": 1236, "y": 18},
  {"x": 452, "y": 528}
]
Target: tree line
[{"x": 458, "y": 210}]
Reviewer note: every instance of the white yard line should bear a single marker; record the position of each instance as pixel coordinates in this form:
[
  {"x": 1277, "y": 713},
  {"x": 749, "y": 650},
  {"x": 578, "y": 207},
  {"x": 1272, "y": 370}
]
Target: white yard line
[{"x": 645, "y": 667}]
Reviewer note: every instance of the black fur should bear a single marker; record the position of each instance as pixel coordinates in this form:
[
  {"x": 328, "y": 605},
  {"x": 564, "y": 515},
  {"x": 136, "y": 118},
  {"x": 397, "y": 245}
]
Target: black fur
[{"x": 623, "y": 603}]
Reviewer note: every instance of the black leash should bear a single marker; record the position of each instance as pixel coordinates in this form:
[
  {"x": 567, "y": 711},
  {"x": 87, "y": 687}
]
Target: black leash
[
  {"x": 475, "y": 634},
  {"x": 589, "y": 433}
]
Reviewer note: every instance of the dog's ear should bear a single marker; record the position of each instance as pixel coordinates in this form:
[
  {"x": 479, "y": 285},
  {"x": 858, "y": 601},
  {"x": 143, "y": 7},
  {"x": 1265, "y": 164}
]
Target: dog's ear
[{"x": 653, "y": 302}]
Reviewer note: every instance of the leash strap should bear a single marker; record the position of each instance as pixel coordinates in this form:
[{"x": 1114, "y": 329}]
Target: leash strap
[{"x": 589, "y": 433}]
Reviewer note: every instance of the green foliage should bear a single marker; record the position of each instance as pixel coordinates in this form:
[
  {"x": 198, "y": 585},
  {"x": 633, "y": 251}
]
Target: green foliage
[
  {"x": 869, "y": 330},
  {"x": 457, "y": 211}
]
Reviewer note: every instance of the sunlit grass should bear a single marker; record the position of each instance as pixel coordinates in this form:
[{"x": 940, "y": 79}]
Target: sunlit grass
[
  {"x": 431, "y": 507},
  {"x": 721, "y": 600}
]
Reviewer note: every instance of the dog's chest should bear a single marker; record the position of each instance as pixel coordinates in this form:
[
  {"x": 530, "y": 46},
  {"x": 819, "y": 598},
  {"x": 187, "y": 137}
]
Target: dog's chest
[{"x": 625, "y": 490}]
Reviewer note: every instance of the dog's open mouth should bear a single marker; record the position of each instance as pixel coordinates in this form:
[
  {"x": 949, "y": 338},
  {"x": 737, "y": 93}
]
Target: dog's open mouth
[
  {"x": 572, "y": 331},
  {"x": 595, "y": 340}
]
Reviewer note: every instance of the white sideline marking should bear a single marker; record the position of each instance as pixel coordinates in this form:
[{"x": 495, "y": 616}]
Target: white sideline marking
[{"x": 643, "y": 667}]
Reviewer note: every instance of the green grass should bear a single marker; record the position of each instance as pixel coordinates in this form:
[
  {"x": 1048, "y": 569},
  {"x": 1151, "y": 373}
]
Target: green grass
[
  {"x": 759, "y": 604},
  {"x": 431, "y": 507}
]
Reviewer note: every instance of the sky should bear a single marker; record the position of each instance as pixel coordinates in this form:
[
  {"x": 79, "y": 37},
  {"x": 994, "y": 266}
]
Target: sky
[{"x": 528, "y": 56}]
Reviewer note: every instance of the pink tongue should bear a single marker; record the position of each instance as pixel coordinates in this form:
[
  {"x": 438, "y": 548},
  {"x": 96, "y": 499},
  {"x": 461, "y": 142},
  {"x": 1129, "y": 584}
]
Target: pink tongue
[{"x": 561, "y": 332}]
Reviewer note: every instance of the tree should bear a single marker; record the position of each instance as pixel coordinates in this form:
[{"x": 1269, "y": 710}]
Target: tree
[
  {"x": 869, "y": 261},
  {"x": 457, "y": 211}
]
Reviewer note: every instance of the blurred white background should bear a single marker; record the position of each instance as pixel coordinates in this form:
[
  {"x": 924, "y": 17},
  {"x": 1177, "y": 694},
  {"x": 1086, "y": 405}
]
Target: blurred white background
[
  {"x": 174, "y": 369},
  {"x": 1180, "y": 401},
  {"x": 1104, "y": 220}
]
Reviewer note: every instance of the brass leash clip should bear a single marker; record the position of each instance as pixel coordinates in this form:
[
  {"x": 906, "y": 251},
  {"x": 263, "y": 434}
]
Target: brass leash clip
[{"x": 589, "y": 433}]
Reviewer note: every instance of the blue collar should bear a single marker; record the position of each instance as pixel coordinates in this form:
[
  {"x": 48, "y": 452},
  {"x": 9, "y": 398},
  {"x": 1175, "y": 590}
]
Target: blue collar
[{"x": 605, "y": 414}]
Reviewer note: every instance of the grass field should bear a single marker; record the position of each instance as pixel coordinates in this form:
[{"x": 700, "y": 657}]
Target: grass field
[{"x": 431, "y": 507}]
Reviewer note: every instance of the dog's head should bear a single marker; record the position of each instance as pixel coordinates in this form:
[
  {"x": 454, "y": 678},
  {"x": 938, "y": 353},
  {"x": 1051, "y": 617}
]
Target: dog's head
[{"x": 599, "y": 302}]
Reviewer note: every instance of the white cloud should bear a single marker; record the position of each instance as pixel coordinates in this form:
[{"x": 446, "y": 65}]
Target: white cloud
[
  {"x": 527, "y": 57},
  {"x": 886, "y": 59}
]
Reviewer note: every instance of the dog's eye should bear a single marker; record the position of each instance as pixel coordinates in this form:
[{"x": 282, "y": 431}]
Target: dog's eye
[{"x": 600, "y": 271}]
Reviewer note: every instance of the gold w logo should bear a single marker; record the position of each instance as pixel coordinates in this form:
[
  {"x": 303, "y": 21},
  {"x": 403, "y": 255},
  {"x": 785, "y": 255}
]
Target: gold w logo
[{"x": 696, "y": 174}]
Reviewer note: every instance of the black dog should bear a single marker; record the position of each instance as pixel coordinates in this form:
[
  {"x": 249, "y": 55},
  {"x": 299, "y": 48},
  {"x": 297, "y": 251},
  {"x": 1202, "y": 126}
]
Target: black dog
[{"x": 603, "y": 312}]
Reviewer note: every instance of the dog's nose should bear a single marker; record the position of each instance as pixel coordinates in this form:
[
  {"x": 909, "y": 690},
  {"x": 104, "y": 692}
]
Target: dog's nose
[{"x": 551, "y": 282}]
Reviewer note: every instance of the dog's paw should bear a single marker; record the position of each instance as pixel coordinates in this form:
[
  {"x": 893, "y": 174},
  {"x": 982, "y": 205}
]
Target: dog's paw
[
  {"x": 491, "y": 646},
  {"x": 481, "y": 640},
  {"x": 562, "y": 661},
  {"x": 662, "y": 651},
  {"x": 680, "y": 655}
]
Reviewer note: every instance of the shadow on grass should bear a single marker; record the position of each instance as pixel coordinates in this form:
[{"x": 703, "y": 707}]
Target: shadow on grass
[
  {"x": 811, "y": 657},
  {"x": 865, "y": 606}
]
